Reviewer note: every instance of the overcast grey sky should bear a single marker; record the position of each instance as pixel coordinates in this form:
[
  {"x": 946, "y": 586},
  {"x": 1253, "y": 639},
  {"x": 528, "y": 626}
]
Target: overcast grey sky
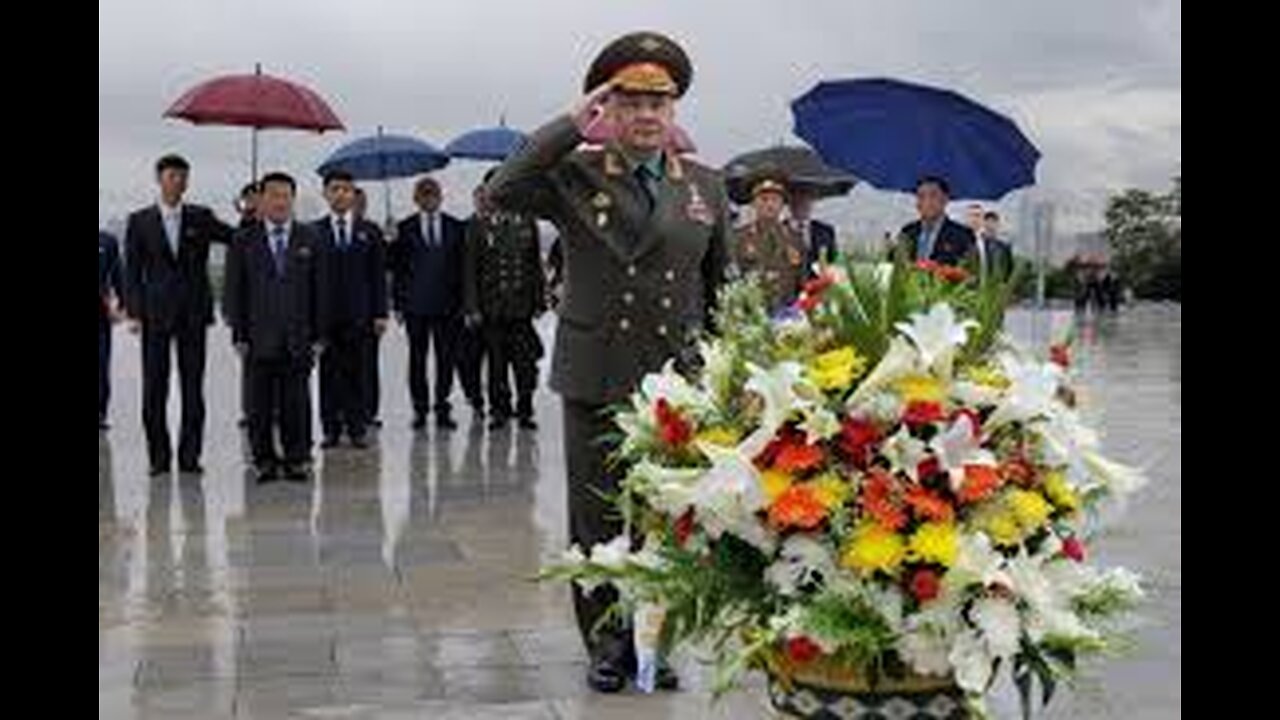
[{"x": 1095, "y": 84}]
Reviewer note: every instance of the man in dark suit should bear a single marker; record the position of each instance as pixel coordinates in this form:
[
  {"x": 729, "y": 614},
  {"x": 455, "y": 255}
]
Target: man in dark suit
[
  {"x": 247, "y": 206},
  {"x": 935, "y": 236},
  {"x": 275, "y": 298},
  {"x": 169, "y": 301},
  {"x": 110, "y": 294},
  {"x": 819, "y": 238},
  {"x": 373, "y": 381},
  {"x": 426, "y": 265},
  {"x": 995, "y": 256},
  {"x": 357, "y": 294}
]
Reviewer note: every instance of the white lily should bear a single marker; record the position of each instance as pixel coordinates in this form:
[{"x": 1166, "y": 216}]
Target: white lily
[
  {"x": 972, "y": 662},
  {"x": 668, "y": 489},
  {"x": 957, "y": 447},
  {"x": 936, "y": 334},
  {"x": 900, "y": 360},
  {"x": 613, "y": 554},
  {"x": 675, "y": 389},
  {"x": 904, "y": 452},
  {"x": 977, "y": 562},
  {"x": 926, "y": 650},
  {"x": 776, "y": 386},
  {"x": 1119, "y": 478},
  {"x": 1032, "y": 393},
  {"x": 819, "y": 424},
  {"x": 1000, "y": 624},
  {"x": 801, "y": 561},
  {"x": 717, "y": 367},
  {"x": 728, "y": 495}
]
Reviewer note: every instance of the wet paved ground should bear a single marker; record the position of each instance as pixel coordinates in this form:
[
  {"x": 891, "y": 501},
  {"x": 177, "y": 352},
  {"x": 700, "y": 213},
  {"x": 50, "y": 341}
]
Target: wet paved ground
[{"x": 397, "y": 585}]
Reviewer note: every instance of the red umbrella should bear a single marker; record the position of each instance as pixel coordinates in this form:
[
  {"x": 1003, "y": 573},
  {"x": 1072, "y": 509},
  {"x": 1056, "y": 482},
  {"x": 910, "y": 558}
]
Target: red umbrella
[{"x": 256, "y": 101}]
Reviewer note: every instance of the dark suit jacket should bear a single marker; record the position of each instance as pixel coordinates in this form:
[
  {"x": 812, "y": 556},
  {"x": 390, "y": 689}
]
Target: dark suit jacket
[
  {"x": 952, "y": 246},
  {"x": 999, "y": 256},
  {"x": 166, "y": 290},
  {"x": 277, "y": 314},
  {"x": 357, "y": 292},
  {"x": 822, "y": 242},
  {"x": 428, "y": 280},
  {"x": 110, "y": 272}
]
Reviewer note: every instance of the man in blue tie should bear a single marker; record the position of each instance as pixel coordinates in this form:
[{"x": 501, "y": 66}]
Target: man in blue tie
[
  {"x": 358, "y": 312},
  {"x": 426, "y": 267},
  {"x": 935, "y": 236},
  {"x": 276, "y": 302}
]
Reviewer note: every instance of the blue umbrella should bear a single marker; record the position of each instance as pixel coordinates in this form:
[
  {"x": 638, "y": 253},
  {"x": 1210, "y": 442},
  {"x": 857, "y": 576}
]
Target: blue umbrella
[
  {"x": 385, "y": 157},
  {"x": 892, "y": 133},
  {"x": 493, "y": 143}
]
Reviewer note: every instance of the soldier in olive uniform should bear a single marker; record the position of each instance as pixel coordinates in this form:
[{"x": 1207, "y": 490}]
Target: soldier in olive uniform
[
  {"x": 643, "y": 234},
  {"x": 504, "y": 290},
  {"x": 766, "y": 246}
]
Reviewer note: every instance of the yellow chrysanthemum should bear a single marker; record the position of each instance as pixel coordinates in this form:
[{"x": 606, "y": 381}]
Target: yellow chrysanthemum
[
  {"x": 774, "y": 483},
  {"x": 921, "y": 388},
  {"x": 1060, "y": 492},
  {"x": 874, "y": 548},
  {"x": 987, "y": 375},
  {"x": 830, "y": 490},
  {"x": 1002, "y": 527},
  {"x": 837, "y": 369},
  {"x": 720, "y": 436},
  {"x": 935, "y": 542},
  {"x": 1029, "y": 508}
]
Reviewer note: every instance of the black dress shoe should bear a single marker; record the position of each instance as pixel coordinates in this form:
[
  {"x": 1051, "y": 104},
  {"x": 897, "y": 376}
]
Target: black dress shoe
[
  {"x": 243, "y": 422},
  {"x": 419, "y": 422},
  {"x": 296, "y": 473},
  {"x": 329, "y": 442},
  {"x": 376, "y": 422},
  {"x": 158, "y": 470},
  {"x": 605, "y": 676},
  {"x": 528, "y": 423},
  {"x": 665, "y": 678},
  {"x": 191, "y": 468},
  {"x": 444, "y": 422},
  {"x": 359, "y": 442},
  {"x": 103, "y": 425},
  {"x": 266, "y": 473}
]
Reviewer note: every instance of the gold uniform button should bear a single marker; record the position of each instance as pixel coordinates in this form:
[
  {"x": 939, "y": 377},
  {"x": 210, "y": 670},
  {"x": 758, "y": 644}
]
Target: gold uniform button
[
  {"x": 662, "y": 330},
  {"x": 628, "y": 297},
  {"x": 631, "y": 270},
  {"x": 666, "y": 303},
  {"x": 671, "y": 275},
  {"x": 624, "y": 324}
]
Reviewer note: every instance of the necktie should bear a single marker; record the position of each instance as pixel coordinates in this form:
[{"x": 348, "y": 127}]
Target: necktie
[{"x": 277, "y": 247}]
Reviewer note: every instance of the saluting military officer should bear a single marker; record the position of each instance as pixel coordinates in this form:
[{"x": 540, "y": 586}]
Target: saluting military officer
[
  {"x": 767, "y": 247},
  {"x": 644, "y": 243}
]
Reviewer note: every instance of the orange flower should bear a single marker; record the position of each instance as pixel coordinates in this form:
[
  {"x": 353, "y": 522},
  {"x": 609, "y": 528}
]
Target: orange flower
[
  {"x": 951, "y": 274},
  {"x": 980, "y": 481},
  {"x": 798, "y": 507},
  {"x": 796, "y": 458},
  {"x": 879, "y": 501},
  {"x": 1018, "y": 471},
  {"x": 929, "y": 505}
]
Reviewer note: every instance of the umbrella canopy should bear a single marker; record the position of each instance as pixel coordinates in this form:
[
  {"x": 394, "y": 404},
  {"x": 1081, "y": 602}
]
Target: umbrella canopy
[
  {"x": 804, "y": 169},
  {"x": 492, "y": 143},
  {"x": 258, "y": 101},
  {"x": 891, "y": 133},
  {"x": 384, "y": 157}
]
